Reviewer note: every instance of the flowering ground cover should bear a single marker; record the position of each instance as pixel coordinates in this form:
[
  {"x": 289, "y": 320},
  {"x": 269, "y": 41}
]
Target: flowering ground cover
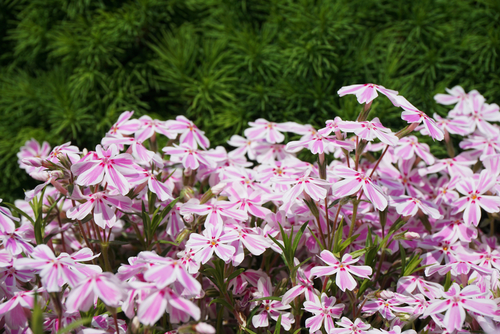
[{"x": 156, "y": 231}]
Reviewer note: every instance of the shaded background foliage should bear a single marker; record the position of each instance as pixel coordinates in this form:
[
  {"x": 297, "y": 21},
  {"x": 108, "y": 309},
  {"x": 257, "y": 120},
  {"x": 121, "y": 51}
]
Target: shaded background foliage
[{"x": 68, "y": 68}]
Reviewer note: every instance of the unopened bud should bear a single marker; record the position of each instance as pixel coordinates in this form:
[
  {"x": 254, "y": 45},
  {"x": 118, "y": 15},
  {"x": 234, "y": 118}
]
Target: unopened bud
[
  {"x": 386, "y": 294},
  {"x": 64, "y": 160},
  {"x": 212, "y": 192},
  {"x": 188, "y": 218},
  {"x": 407, "y": 236},
  {"x": 411, "y": 236},
  {"x": 135, "y": 325},
  {"x": 217, "y": 189},
  {"x": 204, "y": 328},
  {"x": 407, "y": 130},
  {"x": 59, "y": 187},
  {"x": 183, "y": 235}
]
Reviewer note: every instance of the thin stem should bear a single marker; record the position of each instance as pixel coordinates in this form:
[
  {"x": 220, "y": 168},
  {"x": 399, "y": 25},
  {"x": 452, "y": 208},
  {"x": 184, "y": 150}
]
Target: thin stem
[
  {"x": 378, "y": 161},
  {"x": 381, "y": 260},
  {"x": 327, "y": 222},
  {"x": 334, "y": 226},
  {"x": 356, "y": 162},
  {"x": 353, "y": 218},
  {"x": 116, "y": 322},
  {"x": 62, "y": 232}
]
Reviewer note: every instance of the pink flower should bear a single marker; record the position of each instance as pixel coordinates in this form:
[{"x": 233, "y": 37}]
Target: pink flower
[
  {"x": 165, "y": 271},
  {"x": 412, "y": 115},
  {"x": 315, "y": 188},
  {"x": 270, "y": 308},
  {"x": 482, "y": 114},
  {"x": 408, "y": 147},
  {"x": 304, "y": 285},
  {"x": 366, "y": 93},
  {"x": 453, "y": 229},
  {"x": 160, "y": 300},
  {"x": 108, "y": 166},
  {"x": 247, "y": 237},
  {"x": 138, "y": 150},
  {"x": 324, "y": 311},
  {"x": 262, "y": 129},
  {"x": 214, "y": 212},
  {"x": 102, "y": 205},
  {"x": 408, "y": 285},
  {"x": 474, "y": 200},
  {"x": 190, "y": 134},
  {"x": 318, "y": 143},
  {"x": 14, "y": 310},
  {"x": 369, "y": 130},
  {"x": 162, "y": 189},
  {"x": 32, "y": 149},
  {"x": 55, "y": 272},
  {"x": 457, "y": 166},
  {"x": 191, "y": 157},
  {"x": 244, "y": 146},
  {"x": 456, "y": 95},
  {"x": 353, "y": 182},
  {"x": 387, "y": 307},
  {"x": 151, "y": 126},
  {"x": 458, "y": 126},
  {"x": 97, "y": 284},
  {"x": 358, "y": 327},
  {"x": 16, "y": 240},
  {"x": 409, "y": 206},
  {"x": 455, "y": 303},
  {"x": 212, "y": 240},
  {"x": 342, "y": 269},
  {"x": 331, "y": 126},
  {"x": 125, "y": 125},
  {"x": 485, "y": 146},
  {"x": 248, "y": 200}
]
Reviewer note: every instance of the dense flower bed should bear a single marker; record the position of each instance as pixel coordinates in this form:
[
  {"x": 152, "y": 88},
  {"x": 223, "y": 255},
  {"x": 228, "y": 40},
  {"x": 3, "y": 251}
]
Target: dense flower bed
[{"x": 378, "y": 236}]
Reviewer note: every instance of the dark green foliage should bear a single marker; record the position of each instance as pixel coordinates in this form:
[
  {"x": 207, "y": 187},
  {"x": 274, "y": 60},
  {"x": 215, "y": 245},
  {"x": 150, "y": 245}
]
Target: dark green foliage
[{"x": 69, "y": 68}]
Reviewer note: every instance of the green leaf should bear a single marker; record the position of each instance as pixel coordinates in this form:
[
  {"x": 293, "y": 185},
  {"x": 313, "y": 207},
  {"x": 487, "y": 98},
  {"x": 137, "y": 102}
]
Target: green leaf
[
  {"x": 74, "y": 325},
  {"x": 297, "y": 238},
  {"x": 221, "y": 301},
  {"x": 36, "y": 322},
  {"x": 364, "y": 285},
  {"x": 21, "y": 212},
  {"x": 358, "y": 253},
  {"x": 402, "y": 254},
  {"x": 338, "y": 237},
  {"x": 347, "y": 242},
  {"x": 412, "y": 265},
  {"x": 235, "y": 274},
  {"x": 317, "y": 240},
  {"x": 447, "y": 281},
  {"x": 277, "y": 330}
]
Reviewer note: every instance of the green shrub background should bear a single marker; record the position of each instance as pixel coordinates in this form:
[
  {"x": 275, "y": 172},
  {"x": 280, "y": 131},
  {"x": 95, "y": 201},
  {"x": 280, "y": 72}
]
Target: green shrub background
[{"x": 69, "y": 68}]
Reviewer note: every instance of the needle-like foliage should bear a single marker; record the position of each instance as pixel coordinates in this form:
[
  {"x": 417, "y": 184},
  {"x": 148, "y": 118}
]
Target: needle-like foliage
[{"x": 69, "y": 68}]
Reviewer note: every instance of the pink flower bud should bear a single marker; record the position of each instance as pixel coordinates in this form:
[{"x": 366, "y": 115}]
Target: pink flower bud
[
  {"x": 411, "y": 235},
  {"x": 217, "y": 189},
  {"x": 386, "y": 294},
  {"x": 188, "y": 218},
  {"x": 204, "y": 328}
]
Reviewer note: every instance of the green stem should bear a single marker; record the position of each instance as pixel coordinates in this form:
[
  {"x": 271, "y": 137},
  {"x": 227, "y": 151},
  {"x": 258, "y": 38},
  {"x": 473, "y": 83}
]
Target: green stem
[
  {"x": 355, "y": 204},
  {"x": 105, "y": 255}
]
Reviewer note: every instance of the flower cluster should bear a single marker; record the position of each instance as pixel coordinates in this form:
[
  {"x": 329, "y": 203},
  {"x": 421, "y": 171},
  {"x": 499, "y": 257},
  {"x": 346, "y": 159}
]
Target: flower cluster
[{"x": 377, "y": 236}]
